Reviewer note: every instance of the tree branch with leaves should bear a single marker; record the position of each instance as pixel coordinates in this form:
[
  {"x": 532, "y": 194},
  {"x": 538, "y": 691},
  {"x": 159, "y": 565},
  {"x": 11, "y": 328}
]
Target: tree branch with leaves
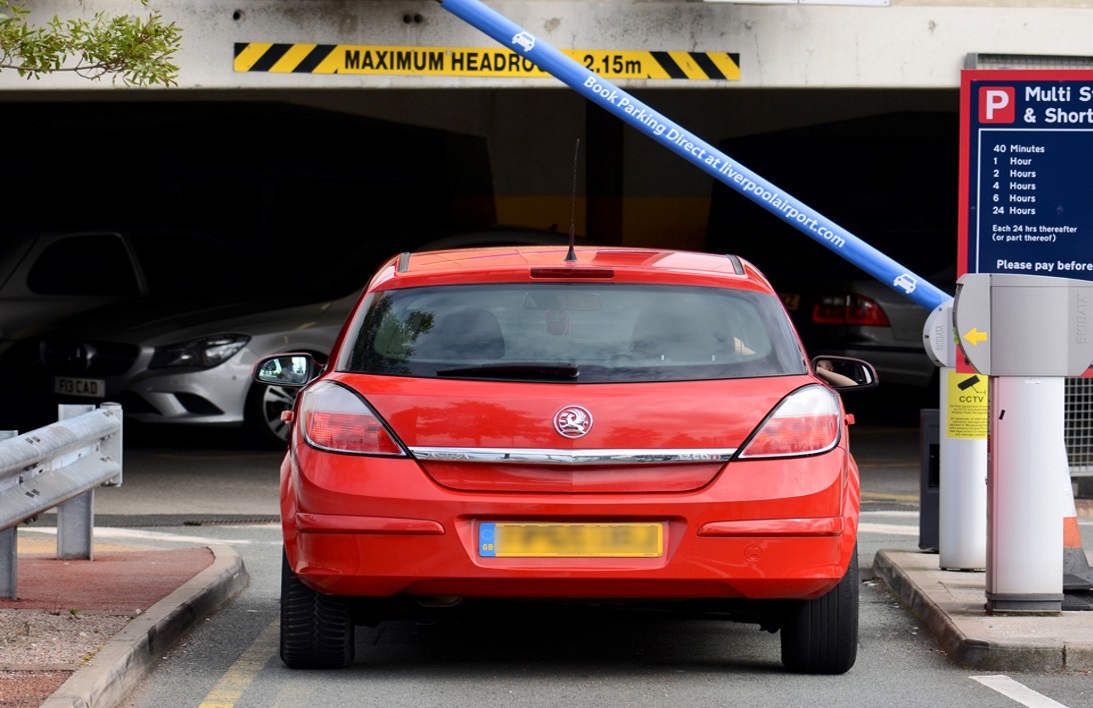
[{"x": 134, "y": 51}]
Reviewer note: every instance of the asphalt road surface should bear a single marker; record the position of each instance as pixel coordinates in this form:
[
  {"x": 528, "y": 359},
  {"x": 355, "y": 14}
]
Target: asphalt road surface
[{"x": 182, "y": 489}]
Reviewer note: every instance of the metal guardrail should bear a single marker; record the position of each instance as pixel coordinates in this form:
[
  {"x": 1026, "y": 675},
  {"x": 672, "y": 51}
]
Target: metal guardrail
[{"x": 57, "y": 467}]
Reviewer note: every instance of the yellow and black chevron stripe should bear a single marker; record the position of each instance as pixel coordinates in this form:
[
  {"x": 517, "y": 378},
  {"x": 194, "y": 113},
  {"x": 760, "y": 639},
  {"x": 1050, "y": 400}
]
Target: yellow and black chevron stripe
[{"x": 276, "y": 58}]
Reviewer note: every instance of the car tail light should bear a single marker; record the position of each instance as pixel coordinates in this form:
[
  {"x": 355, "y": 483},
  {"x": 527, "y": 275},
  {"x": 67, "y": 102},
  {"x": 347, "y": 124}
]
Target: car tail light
[
  {"x": 334, "y": 418},
  {"x": 806, "y": 422},
  {"x": 849, "y": 309}
]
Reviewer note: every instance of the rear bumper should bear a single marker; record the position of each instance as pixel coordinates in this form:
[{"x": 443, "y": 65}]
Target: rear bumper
[
  {"x": 765, "y": 529},
  {"x": 388, "y": 556}
]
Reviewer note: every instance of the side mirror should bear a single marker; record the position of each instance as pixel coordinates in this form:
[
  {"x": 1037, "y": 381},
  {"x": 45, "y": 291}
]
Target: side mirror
[
  {"x": 290, "y": 370},
  {"x": 845, "y": 373}
]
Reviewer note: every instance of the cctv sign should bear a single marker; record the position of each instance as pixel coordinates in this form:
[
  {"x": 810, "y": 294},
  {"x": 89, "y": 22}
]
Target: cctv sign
[{"x": 1025, "y": 182}]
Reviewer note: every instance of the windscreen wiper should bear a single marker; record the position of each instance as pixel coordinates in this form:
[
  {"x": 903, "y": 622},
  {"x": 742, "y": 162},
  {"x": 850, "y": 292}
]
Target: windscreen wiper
[{"x": 558, "y": 372}]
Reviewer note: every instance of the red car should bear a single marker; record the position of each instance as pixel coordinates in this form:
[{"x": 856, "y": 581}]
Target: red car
[{"x": 541, "y": 423}]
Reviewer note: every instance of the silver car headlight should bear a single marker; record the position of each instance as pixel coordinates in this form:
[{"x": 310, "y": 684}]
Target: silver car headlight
[{"x": 204, "y": 353}]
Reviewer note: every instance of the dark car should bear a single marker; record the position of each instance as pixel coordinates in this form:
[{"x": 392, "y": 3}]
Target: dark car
[
  {"x": 891, "y": 181},
  {"x": 47, "y": 277},
  {"x": 860, "y": 316}
]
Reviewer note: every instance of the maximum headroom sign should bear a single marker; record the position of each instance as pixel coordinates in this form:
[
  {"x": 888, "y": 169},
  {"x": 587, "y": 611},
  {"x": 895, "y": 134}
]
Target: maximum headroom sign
[{"x": 476, "y": 62}]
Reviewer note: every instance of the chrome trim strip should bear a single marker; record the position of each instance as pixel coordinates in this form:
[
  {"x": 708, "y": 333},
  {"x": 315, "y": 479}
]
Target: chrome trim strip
[{"x": 571, "y": 457}]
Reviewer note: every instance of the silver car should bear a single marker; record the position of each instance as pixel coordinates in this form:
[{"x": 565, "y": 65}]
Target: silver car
[
  {"x": 189, "y": 360},
  {"x": 188, "y": 363}
]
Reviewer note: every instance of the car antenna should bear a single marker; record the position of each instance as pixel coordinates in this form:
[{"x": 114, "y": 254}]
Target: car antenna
[{"x": 571, "y": 257}]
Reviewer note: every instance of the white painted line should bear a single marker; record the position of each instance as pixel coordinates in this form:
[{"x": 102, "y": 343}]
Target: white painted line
[
  {"x": 888, "y": 529},
  {"x": 122, "y": 534},
  {"x": 1017, "y": 691},
  {"x": 891, "y": 514}
]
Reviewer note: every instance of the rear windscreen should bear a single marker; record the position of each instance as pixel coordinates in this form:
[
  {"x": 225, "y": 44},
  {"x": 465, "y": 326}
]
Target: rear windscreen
[{"x": 573, "y": 332}]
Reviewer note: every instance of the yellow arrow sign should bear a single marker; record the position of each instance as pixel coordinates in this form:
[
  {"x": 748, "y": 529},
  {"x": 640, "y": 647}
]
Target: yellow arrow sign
[{"x": 974, "y": 337}]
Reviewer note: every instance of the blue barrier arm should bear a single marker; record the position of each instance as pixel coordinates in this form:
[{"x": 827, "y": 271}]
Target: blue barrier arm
[{"x": 703, "y": 155}]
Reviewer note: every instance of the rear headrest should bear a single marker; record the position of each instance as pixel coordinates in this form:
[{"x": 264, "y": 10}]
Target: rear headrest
[
  {"x": 671, "y": 331},
  {"x": 463, "y": 333}
]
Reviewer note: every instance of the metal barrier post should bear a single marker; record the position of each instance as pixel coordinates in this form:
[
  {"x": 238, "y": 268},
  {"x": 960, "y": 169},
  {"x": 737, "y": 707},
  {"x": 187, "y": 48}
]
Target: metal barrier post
[
  {"x": 1024, "y": 514},
  {"x": 9, "y": 563},
  {"x": 962, "y": 526},
  {"x": 929, "y": 484},
  {"x": 9, "y": 548},
  {"x": 961, "y": 439},
  {"x": 112, "y": 448},
  {"x": 57, "y": 467},
  {"x": 75, "y": 517}
]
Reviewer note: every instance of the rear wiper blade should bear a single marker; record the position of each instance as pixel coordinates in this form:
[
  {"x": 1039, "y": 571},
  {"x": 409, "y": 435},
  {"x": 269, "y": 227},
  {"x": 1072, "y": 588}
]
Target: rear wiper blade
[{"x": 516, "y": 371}]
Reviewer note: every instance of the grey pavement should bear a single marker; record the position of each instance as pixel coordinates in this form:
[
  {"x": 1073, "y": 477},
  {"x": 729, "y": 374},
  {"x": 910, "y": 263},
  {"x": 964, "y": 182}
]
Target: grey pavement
[{"x": 952, "y": 605}]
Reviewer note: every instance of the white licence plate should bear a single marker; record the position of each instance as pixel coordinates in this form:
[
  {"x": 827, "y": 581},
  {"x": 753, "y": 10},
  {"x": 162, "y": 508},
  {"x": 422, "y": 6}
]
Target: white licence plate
[{"x": 88, "y": 388}]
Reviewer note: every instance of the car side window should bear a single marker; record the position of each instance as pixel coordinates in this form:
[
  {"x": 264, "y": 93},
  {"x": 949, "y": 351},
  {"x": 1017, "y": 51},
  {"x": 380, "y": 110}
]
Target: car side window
[{"x": 87, "y": 264}]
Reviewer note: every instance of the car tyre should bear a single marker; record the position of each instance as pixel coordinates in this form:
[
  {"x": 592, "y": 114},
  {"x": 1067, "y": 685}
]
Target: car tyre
[
  {"x": 263, "y": 413},
  {"x": 821, "y": 636},
  {"x": 317, "y": 631}
]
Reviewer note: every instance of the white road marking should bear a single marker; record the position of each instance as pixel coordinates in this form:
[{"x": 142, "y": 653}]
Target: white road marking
[
  {"x": 891, "y": 514},
  {"x": 122, "y": 534},
  {"x": 1017, "y": 691},
  {"x": 889, "y": 529}
]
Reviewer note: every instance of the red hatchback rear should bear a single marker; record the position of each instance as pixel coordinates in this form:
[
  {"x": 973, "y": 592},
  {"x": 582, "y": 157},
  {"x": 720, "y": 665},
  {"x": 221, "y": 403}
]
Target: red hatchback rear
[{"x": 602, "y": 424}]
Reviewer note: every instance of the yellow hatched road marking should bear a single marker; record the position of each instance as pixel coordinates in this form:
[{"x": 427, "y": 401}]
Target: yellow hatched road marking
[
  {"x": 239, "y": 676},
  {"x": 34, "y": 545}
]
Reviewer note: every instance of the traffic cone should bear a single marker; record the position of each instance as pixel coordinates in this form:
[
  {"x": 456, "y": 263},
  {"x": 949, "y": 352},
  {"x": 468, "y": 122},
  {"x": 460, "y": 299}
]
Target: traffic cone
[{"x": 1077, "y": 575}]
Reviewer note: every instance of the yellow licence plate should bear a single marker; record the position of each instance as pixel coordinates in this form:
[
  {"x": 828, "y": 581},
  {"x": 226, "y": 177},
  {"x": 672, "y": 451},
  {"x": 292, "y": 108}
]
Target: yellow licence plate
[{"x": 545, "y": 540}]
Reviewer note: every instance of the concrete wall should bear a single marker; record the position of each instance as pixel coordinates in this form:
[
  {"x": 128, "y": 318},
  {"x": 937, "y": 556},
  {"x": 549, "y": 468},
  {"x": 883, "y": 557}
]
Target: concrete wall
[
  {"x": 799, "y": 64},
  {"x": 908, "y": 44}
]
